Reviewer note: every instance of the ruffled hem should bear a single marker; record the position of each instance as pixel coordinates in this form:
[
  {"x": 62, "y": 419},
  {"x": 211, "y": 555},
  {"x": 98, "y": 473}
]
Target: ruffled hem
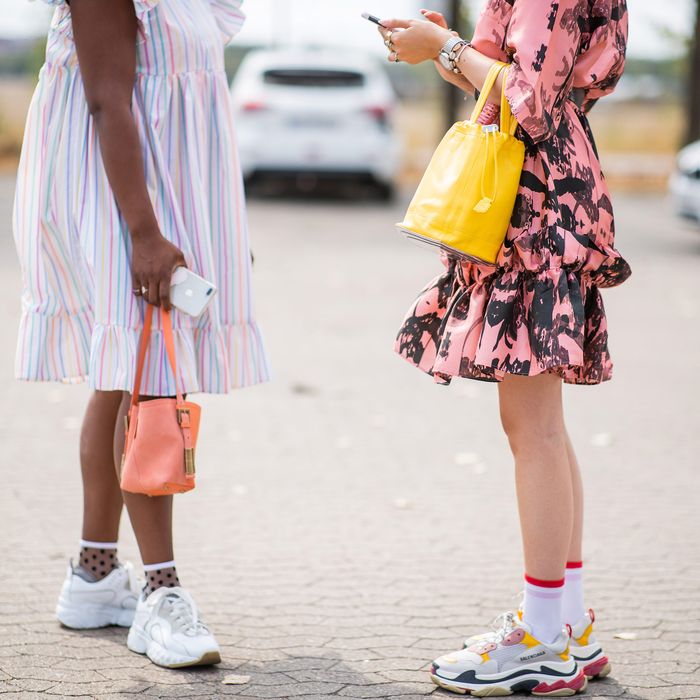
[
  {"x": 70, "y": 350},
  {"x": 475, "y": 323}
]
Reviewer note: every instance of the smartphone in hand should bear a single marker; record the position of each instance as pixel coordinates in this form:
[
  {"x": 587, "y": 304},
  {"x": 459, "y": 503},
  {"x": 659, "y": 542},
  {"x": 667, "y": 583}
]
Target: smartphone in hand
[
  {"x": 189, "y": 292},
  {"x": 372, "y": 18}
]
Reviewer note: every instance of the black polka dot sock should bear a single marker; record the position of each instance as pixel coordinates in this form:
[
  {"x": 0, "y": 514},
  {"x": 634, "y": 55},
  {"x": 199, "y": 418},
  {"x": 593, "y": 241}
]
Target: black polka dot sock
[
  {"x": 163, "y": 575},
  {"x": 98, "y": 559}
]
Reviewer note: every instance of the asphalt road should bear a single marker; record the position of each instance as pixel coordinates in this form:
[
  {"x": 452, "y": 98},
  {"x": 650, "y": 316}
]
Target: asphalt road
[{"x": 352, "y": 519}]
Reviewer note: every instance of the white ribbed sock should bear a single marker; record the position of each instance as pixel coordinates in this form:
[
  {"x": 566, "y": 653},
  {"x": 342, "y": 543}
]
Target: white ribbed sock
[
  {"x": 573, "y": 606},
  {"x": 542, "y": 608}
]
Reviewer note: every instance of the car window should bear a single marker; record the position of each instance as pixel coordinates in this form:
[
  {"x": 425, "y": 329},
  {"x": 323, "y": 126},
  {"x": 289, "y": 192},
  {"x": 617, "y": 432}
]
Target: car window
[{"x": 313, "y": 77}]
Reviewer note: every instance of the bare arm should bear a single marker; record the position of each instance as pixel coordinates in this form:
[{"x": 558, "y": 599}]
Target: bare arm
[
  {"x": 105, "y": 39},
  {"x": 419, "y": 40},
  {"x": 456, "y": 79},
  {"x": 544, "y": 38}
]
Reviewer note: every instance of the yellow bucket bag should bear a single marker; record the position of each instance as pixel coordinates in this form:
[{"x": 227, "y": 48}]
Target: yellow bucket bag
[{"x": 465, "y": 200}]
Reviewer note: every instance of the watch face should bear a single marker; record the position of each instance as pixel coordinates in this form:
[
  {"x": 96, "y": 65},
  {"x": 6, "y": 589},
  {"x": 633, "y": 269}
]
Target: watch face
[{"x": 445, "y": 61}]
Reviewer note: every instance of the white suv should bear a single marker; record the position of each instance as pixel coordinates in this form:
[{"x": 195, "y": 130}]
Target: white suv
[
  {"x": 685, "y": 182},
  {"x": 316, "y": 113}
]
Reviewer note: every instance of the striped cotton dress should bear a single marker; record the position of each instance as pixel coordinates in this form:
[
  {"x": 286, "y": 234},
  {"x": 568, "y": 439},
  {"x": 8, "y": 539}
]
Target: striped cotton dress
[{"x": 80, "y": 320}]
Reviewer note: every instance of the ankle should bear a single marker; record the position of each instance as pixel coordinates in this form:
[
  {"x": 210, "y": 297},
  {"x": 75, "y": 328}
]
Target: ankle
[
  {"x": 98, "y": 559},
  {"x": 542, "y": 608},
  {"x": 573, "y": 606},
  {"x": 162, "y": 575}
]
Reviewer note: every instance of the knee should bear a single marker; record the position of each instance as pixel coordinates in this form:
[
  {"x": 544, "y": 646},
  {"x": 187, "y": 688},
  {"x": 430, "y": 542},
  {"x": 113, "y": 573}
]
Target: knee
[{"x": 527, "y": 433}]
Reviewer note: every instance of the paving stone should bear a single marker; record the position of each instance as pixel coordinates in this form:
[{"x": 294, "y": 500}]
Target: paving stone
[
  {"x": 675, "y": 692},
  {"x": 92, "y": 688},
  {"x": 316, "y": 584}
]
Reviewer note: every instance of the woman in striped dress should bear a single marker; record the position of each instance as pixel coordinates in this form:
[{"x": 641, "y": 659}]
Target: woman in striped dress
[{"x": 129, "y": 170}]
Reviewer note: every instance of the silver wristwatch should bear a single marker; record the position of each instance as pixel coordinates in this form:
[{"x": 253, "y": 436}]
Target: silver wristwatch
[{"x": 449, "y": 52}]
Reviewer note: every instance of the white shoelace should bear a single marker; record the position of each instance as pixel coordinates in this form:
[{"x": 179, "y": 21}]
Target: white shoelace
[
  {"x": 502, "y": 626},
  {"x": 184, "y": 613}
]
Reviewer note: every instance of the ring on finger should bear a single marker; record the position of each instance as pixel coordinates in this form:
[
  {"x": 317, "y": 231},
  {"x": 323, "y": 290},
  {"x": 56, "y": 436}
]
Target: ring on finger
[
  {"x": 396, "y": 58},
  {"x": 137, "y": 291}
]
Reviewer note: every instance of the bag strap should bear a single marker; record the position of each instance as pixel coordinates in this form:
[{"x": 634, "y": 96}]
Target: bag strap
[
  {"x": 508, "y": 122},
  {"x": 143, "y": 347},
  {"x": 491, "y": 78}
]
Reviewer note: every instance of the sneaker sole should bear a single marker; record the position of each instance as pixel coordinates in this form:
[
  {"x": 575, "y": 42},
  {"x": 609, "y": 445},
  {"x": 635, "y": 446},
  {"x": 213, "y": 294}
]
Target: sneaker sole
[
  {"x": 89, "y": 617},
  {"x": 559, "y": 688},
  {"x": 160, "y": 657},
  {"x": 598, "y": 669}
]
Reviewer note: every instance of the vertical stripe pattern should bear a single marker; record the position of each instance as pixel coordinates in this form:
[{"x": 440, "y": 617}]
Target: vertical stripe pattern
[{"x": 80, "y": 320}]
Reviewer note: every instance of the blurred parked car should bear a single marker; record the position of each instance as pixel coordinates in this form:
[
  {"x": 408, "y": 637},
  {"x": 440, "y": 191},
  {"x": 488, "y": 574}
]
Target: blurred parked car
[
  {"x": 685, "y": 182},
  {"x": 315, "y": 113}
]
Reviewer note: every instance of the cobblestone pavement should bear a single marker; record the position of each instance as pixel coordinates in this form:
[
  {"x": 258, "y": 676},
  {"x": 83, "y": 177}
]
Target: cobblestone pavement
[{"x": 352, "y": 519}]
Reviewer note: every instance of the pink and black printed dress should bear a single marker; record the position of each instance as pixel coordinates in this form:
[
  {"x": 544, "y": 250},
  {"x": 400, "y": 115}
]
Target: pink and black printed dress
[{"x": 539, "y": 309}]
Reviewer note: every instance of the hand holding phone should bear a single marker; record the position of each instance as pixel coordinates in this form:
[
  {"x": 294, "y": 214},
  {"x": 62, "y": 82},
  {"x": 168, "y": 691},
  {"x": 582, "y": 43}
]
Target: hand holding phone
[
  {"x": 189, "y": 292},
  {"x": 372, "y": 18}
]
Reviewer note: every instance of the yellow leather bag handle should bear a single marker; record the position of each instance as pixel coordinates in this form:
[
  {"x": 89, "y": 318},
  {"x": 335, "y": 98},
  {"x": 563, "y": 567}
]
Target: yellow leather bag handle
[
  {"x": 508, "y": 122},
  {"x": 491, "y": 78}
]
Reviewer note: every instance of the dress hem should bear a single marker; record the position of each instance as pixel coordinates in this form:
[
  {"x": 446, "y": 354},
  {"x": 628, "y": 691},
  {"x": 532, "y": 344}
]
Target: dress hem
[{"x": 70, "y": 349}]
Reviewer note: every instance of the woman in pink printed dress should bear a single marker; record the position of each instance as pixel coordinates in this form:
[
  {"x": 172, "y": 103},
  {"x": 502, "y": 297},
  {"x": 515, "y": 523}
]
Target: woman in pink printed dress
[{"x": 536, "y": 318}]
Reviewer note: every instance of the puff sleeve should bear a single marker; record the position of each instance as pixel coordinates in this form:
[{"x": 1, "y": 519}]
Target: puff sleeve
[
  {"x": 543, "y": 38},
  {"x": 229, "y": 17},
  {"x": 62, "y": 20}
]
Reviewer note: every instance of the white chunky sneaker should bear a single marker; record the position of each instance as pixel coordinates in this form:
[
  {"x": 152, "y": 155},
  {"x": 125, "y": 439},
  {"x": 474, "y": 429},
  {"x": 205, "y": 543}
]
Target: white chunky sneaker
[
  {"x": 510, "y": 661},
  {"x": 584, "y": 647},
  {"x": 167, "y": 628},
  {"x": 586, "y": 650},
  {"x": 85, "y": 604}
]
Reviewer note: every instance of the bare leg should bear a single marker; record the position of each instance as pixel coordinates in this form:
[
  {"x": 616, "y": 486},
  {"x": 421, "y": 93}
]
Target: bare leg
[
  {"x": 151, "y": 516},
  {"x": 532, "y": 416},
  {"x": 102, "y": 497},
  {"x": 576, "y": 546}
]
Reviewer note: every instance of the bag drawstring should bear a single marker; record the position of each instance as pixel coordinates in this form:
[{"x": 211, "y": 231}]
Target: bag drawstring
[{"x": 484, "y": 204}]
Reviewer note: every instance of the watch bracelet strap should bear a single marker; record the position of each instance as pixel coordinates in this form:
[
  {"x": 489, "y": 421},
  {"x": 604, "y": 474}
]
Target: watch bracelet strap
[{"x": 460, "y": 51}]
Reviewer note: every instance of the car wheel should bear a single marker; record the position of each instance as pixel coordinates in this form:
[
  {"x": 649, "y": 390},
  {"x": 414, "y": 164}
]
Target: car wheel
[{"x": 385, "y": 192}]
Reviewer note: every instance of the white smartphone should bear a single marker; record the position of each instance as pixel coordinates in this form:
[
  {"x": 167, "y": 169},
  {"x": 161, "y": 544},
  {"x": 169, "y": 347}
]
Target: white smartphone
[{"x": 190, "y": 293}]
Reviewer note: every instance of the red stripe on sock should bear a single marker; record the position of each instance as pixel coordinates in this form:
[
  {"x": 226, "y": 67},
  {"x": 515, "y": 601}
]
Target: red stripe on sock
[
  {"x": 574, "y": 564},
  {"x": 543, "y": 583}
]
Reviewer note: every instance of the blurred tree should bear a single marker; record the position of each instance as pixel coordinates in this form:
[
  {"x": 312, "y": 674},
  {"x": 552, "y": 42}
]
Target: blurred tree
[
  {"x": 23, "y": 57},
  {"x": 457, "y": 16},
  {"x": 693, "y": 129}
]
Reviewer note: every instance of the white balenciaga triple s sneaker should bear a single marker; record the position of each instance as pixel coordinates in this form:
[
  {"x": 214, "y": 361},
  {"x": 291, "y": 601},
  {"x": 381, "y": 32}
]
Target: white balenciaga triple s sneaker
[{"x": 510, "y": 661}]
